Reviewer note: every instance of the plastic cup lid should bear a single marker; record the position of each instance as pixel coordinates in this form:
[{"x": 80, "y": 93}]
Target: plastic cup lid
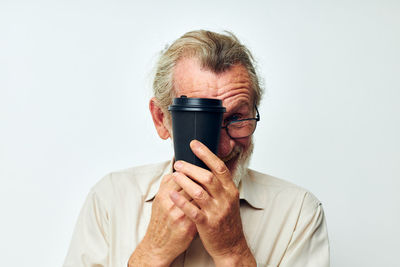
[{"x": 185, "y": 103}]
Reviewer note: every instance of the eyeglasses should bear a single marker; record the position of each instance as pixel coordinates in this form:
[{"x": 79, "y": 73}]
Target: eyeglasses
[{"x": 242, "y": 128}]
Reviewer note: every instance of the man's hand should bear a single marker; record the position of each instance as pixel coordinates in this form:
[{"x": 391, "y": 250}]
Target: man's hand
[
  {"x": 169, "y": 233},
  {"x": 215, "y": 210}
]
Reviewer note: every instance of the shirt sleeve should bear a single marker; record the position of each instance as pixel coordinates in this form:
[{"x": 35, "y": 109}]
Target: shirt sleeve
[
  {"x": 89, "y": 245},
  {"x": 309, "y": 245}
]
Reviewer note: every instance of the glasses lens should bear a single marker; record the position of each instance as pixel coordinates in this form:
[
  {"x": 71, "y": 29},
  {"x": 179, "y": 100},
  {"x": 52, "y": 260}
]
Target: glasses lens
[{"x": 240, "y": 129}]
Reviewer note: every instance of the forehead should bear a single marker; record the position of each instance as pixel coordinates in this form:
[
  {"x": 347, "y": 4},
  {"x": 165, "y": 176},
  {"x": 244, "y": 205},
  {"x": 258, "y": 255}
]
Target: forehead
[{"x": 233, "y": 86}]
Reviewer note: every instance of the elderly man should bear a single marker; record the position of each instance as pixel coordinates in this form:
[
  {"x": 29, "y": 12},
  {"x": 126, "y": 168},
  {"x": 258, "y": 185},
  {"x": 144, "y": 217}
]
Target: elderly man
[{"x": 178, "y": 214}]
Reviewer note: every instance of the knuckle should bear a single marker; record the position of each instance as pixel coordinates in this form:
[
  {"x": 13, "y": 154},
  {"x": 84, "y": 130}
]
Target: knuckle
[
  {"x": 198, "y": 194},
  {"x": 177, "y": 216},
  {"x": 181, "y": 216},
  {"x": 220, "y": 167},
  {"x": 195, "y": 214},
  {"x": 198, "y": 217},
  {"x": 182, "y": 203},
  {"x": 208, "y": 178}
]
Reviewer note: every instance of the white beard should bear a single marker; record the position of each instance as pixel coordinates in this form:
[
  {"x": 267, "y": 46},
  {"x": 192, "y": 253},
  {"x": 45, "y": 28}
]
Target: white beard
[{"x": 242, "y": 164}]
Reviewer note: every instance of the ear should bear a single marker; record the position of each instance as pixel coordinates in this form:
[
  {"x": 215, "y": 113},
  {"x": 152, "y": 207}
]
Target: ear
[{"x": 159, "y": 119}]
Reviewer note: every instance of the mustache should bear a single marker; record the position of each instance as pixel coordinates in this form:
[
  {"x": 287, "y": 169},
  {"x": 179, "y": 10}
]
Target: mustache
[{"x": 237, "y": 150}]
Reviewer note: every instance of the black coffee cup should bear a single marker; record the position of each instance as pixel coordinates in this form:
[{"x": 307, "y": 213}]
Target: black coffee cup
[{"x": 195, "y": 118}]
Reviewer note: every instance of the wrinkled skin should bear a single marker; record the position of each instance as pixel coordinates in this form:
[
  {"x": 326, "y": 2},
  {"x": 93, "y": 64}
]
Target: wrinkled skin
[
  {"x": 169, "y": 232},
  {"x": 217, "y": 213},
  {"x": 210, "y": 205}
]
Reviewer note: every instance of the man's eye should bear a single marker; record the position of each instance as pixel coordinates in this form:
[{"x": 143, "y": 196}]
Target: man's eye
[{"x": 234, "y": 117}]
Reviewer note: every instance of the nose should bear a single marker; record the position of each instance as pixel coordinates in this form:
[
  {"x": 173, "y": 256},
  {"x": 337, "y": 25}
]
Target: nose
[{"x": 226, "y": 144}]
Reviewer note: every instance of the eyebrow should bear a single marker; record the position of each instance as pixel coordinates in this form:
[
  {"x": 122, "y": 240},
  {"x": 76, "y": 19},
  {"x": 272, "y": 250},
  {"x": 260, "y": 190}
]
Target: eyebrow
[{"x": 241, "y": 105}]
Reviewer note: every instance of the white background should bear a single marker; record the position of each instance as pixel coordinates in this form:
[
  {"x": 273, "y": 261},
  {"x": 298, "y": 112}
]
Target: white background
[{"x": 75, "y": 82}]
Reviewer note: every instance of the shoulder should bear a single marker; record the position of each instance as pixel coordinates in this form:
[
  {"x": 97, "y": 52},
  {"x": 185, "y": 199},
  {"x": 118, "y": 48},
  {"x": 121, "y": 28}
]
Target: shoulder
[
  {"x": 134, "y": 180},
  {"x": 277, "y": 190}
]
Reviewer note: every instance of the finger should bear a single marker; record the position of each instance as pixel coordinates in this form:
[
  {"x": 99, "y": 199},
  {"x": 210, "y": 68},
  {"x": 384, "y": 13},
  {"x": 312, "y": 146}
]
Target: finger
[
  {"x": 170, "y": 184},
  {"x": 216, "y": 165},
  {"x": 189, "y": 209},
  {"x": 184, "y": 194},
  {"x": 166, "y": 178},
  {"x": 174, "y": 211},
  {"x": 195, "y": 191},
  {"x": 200, "y": 175},
  {"x": 167, "y": 185},
  {"x": 189, "y": 198}
]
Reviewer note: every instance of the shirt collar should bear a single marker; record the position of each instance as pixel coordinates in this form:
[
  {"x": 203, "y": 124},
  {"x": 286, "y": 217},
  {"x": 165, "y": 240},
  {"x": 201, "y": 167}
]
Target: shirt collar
[
  {"x": 248, "y": 190},
  {"x": 251, "y": 192},
  {"x": 156, "y": 184}
]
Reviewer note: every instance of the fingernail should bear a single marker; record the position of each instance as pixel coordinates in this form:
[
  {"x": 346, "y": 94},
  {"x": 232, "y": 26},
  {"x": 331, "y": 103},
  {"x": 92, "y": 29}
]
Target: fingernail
[
  {"x": 195, "y": 143},
  {"x": 178, "y": 165},
  {"x": 174, "y": 195}
]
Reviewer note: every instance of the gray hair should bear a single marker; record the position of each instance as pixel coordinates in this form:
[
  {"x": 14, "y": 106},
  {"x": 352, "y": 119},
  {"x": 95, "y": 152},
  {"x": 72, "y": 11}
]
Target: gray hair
[{"x": 216, "y": 52}]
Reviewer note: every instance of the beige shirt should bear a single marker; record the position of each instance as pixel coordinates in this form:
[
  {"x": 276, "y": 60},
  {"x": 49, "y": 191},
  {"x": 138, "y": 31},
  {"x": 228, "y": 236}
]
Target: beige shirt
[{"x": 283, "y": 223}]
